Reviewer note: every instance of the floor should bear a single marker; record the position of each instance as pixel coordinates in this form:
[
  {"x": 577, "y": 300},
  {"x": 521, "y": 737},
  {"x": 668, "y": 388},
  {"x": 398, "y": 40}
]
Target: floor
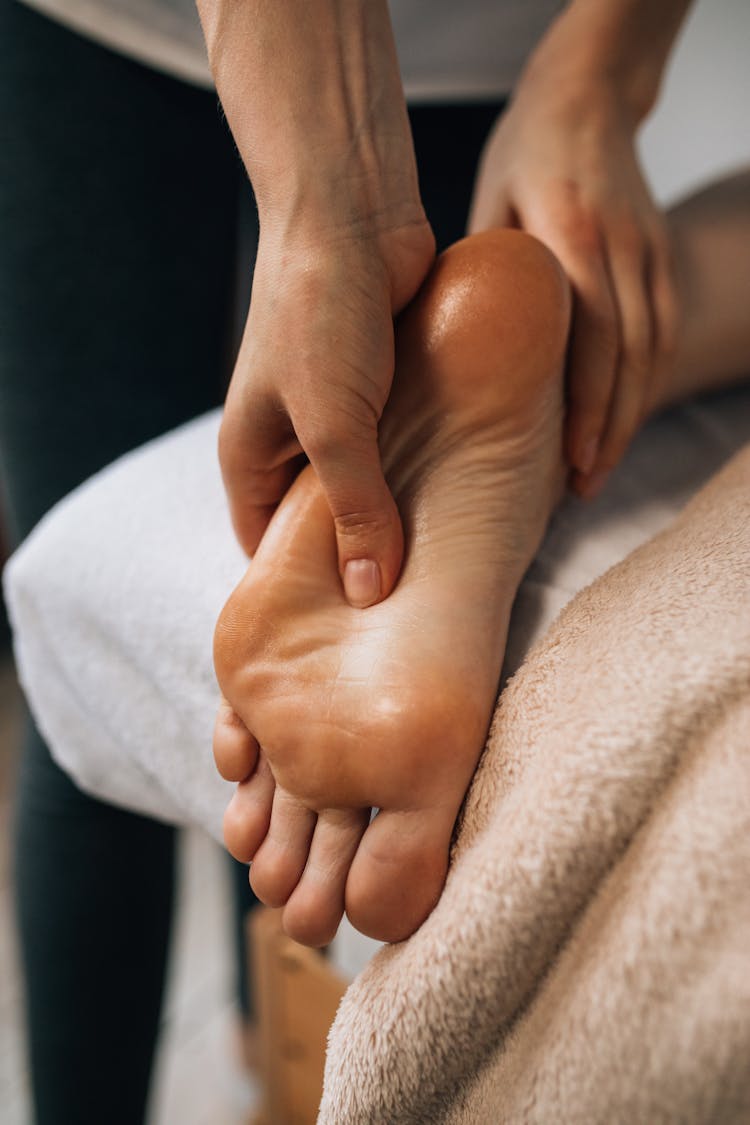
[{"x": 198, "y": 1077}]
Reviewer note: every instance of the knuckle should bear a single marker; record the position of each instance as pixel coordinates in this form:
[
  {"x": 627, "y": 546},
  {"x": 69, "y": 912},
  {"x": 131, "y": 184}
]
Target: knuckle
[
  {"x": 360, "y": 524},
  {"x": 237, "y": 450},
  {"x": 575, "y": 220},
  {"x": 580, "y": 230},
  {"x": 322, "y": 445},
  {"x": 630, "y": 237},
  {"x": 348, "y": 426}
]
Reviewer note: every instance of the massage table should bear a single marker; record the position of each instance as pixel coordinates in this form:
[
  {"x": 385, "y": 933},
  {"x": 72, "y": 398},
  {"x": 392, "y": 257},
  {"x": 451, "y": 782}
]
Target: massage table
[{"x": 113, "y": 599}]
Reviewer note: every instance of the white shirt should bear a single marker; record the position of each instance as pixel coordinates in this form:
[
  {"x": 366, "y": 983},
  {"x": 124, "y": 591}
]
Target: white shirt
[{"x": 449, "y": 50}]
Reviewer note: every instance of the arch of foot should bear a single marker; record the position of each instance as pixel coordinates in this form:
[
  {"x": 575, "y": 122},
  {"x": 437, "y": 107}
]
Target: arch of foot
[{"x": 483, "y": 344}]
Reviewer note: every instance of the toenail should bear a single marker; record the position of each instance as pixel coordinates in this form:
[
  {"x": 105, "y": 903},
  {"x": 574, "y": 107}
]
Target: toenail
[{"x": 361, "y": 582}]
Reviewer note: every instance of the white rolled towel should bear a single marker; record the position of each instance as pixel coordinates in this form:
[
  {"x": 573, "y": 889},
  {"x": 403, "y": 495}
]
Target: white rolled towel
[{"x": 114, "y": 596}]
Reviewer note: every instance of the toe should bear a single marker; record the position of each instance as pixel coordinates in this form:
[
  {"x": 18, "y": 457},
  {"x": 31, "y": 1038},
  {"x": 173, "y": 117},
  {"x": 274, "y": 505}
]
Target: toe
[
  {"x": 248, "y": 813},
  {"x": 398, "y": 872},
  {"x": 280, "y": 860},
  {"x": 235, "y": 749},
  {"x": 316, "y": 907}
]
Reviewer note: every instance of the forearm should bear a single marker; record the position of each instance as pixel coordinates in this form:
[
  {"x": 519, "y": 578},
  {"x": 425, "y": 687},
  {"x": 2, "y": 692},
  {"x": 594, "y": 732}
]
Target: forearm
[
  {"x": 313, "y": 96},
  {"x": 620, "y": 45},
  {"x": 710, "y": 235}
]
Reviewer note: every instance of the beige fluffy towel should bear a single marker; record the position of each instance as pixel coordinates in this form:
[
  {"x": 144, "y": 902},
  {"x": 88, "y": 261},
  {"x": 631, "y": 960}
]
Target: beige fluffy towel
[{"x": 589, "y": 961}]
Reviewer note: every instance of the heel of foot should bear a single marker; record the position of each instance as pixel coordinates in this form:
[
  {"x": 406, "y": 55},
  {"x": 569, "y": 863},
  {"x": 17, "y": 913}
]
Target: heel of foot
[{"x": 496, "y": 296}]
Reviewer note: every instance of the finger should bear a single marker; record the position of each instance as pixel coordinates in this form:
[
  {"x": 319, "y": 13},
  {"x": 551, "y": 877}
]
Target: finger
[
  {"x": 235, "y": 748},
  {"x": 259, "y": 457},
  {"x": 666, "y": 317},
  {"x": 250, "y": 514},
  {"x": 628, "y": 266},
  {"x": 369, "y": 535},
  {"x": 594, "y": 340},
  {"x": 248, "y": 814},
  {"x": 490, "y": 208}
]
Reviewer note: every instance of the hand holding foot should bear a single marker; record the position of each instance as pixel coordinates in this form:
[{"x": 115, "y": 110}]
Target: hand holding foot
[{"x": 388, "y": 707}]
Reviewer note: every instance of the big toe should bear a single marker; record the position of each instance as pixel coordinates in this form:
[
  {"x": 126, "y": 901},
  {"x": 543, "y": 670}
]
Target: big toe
[{"x": 398, "y": 873}]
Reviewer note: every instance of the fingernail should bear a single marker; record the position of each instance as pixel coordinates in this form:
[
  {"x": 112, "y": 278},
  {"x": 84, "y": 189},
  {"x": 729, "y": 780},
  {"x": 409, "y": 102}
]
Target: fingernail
[
  {"x": 595, "y": 484},
  {"x": 361, "y": 582},
  {"x": 586, "y": 461}
]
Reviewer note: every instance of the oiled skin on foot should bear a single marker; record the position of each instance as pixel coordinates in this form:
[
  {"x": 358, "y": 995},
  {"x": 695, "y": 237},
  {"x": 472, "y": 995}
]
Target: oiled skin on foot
[{"x": 388, "y": 707}]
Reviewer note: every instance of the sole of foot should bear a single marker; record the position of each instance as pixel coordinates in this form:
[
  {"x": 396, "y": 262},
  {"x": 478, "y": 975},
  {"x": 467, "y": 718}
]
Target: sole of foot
[{"x": 332, "y": 711}]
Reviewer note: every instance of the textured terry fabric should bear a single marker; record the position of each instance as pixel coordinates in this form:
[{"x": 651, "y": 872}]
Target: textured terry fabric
[
  {"x": 589, "y": 960},
  {"x": 114, "y": 597}
]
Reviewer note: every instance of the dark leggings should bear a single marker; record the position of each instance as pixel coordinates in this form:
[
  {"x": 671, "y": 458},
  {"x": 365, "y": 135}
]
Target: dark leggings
[{"x": 120, "y": 196}]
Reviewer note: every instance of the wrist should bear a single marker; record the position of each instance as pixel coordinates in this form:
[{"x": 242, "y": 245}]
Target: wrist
[
  {"x": 591, "y": 86},
  {"x": 312, "y": 93},
  {"x": 584, "y": 100},
  {"x": 329, "y": 192},
  {"x": 317, "y": 247},
  {"x": 614, "y": 50}
]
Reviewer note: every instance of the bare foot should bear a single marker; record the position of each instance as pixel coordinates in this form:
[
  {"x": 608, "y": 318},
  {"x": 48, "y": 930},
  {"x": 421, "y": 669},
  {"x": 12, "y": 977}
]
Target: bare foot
[{"x": 388, "y": 707}]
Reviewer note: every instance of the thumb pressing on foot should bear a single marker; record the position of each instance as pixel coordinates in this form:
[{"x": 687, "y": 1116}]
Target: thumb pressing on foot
[
  {"x": 369, "y": 536},
  {"x": 260, "y": 455},
  {"x": 312, "y": 380}
]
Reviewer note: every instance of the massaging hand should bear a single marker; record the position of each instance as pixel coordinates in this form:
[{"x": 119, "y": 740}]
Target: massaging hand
[
  {"x": 562, "y": 165},
  {"x": 313, "y": 374},
  {"x": 313, "y": 96}
]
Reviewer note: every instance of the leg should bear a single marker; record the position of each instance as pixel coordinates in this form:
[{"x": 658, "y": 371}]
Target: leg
[
  {"x": 711, "y": 238},
  {"x": 389, "y": 707},
  {"x": 94, "y": 901},
  {"x": 114, "y": 285}
]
